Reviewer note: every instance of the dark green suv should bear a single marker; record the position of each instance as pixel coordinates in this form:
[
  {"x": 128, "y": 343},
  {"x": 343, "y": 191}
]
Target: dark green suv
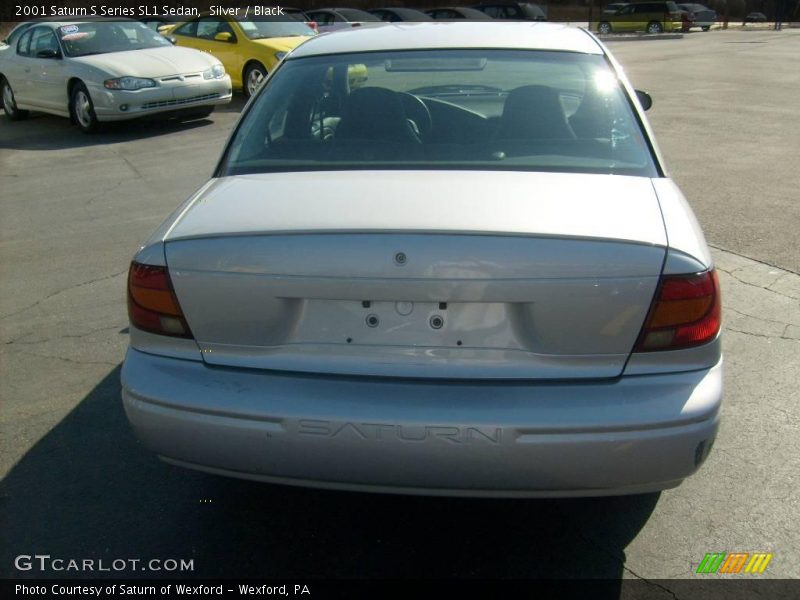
[{"x": 652, "y": 17}]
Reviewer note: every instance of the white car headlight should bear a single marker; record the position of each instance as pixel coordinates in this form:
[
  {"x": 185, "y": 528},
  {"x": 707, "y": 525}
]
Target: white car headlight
[
  {"x": 129, "y": 83},
  {"x": 215, "y": 72}
]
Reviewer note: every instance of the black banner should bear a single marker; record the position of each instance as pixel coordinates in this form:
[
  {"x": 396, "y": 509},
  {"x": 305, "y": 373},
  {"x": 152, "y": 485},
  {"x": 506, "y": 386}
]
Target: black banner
[
  {"x": 712, "y": 588},
  {"x": 26, "y": 10}
]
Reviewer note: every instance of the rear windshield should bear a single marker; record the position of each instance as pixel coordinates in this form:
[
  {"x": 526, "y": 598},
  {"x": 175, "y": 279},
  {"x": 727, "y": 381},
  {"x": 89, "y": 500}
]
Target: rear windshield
[
  {"x": 532, "y": 10},
  {"x": 451, "y": 109},
  {"x": 274, "y": 27},
  {"x": 354, "y": 15}
]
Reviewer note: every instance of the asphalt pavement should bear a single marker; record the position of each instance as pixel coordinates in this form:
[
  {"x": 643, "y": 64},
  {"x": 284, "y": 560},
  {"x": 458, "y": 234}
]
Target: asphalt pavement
[{"x": 76, "y": 484}]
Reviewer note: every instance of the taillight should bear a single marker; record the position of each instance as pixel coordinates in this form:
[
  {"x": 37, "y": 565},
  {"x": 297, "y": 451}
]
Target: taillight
[
  {"x": 152, "y": 304},
  {"x": 685, "y": 312}
]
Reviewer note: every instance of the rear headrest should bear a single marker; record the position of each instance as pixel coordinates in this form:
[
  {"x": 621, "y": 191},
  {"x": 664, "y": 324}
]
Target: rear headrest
[
  {"x": 533, "y": 112},
  {"x": 376, "y": 114}
]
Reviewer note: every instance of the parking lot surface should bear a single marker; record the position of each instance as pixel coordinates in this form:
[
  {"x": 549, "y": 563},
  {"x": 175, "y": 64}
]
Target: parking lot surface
[{"x": 76, "y": 484}]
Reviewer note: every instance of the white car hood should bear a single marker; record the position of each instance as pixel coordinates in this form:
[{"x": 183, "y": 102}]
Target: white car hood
[
  {"x": 550, "y": 204},
  {"x": 151, "y": 62}
]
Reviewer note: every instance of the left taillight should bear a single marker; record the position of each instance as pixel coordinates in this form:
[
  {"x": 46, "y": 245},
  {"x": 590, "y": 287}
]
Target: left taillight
[
  {"x": 686, "y": 312},
  {"x": 152, "y": 304}
]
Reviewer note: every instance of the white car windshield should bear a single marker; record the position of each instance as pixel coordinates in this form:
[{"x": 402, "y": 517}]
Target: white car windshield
[
  {"x": 443, "y": 109},
  {"x": 101, "y": 37}
]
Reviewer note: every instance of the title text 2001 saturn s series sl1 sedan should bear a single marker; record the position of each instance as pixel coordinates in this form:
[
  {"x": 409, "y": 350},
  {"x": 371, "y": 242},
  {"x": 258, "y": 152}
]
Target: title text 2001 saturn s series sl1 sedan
[{"x": 468, "y": 275}]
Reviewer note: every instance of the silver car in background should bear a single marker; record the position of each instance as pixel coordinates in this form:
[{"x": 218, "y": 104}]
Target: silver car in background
[
  {"x": 105, "y": 70},
  {"x": 469, "y": 275},
  {"x": 701, "y": 16}
]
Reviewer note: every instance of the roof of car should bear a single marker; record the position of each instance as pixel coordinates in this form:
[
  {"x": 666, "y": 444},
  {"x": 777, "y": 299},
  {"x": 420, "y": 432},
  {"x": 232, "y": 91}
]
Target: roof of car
[
  {"x": 441, "y": 35},
  {"x": 400, "y": 10},
  {"x": 463, "y": 10}
]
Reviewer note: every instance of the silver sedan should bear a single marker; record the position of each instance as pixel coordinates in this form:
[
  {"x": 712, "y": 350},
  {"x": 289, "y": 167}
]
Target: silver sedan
[
  {"x": 106, "y": 71},
  {"x": 465, "y": 273}
]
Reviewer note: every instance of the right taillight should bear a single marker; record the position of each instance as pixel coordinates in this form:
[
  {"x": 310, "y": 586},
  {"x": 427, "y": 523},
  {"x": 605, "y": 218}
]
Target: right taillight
[
  {"x": 685, "y": 312},
  {"x": 152, "y": 304}
]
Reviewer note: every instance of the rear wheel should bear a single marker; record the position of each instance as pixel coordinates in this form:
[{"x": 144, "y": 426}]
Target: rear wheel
[
  {"x": 254, "y": 74},
  {"x": 654, "y": 27},
  {"x": 604, "y": 27},
  {"x": 9, "y": 103},
  {"x": 82, "y": 109}
]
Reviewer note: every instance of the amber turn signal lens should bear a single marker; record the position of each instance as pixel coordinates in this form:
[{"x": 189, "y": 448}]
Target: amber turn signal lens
[
  {"x": 686, "y": 311},
  {"x": 152, "y": 304}
]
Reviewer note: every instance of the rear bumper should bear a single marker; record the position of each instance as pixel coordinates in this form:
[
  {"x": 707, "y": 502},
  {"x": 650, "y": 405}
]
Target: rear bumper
[{"x": 631, "y": 435}]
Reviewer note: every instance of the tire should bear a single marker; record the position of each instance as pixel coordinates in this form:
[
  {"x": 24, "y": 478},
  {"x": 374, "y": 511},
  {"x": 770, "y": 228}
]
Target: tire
[
  {"x": 81, "y": 108},
  {"x": 254, "y": 74},
  {"x": 654, "y": 27},
  {"x": 604, "y": 28},
  {"x": 9, "y": 103},
  {"x": 706, "y": 27}
]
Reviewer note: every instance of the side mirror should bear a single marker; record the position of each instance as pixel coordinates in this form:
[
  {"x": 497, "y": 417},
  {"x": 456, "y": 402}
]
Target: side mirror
[
  {"x": 644, "y": 99},
  {"x": 224, "y": 36},
  {"x": 171, "y": 39},
  {"x": 48, "y": 53}
]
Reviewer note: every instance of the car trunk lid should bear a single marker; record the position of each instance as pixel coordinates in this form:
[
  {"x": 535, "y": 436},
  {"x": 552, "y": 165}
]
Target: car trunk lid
[{"x": 420, "y": 274}]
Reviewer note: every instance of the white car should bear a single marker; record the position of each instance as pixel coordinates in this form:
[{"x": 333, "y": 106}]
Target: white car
[
  {"x": 105, "y": 70},
  {"x": 468, "y": 275}
]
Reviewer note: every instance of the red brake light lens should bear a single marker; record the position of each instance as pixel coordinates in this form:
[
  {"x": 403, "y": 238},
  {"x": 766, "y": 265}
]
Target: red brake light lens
[
  {"x": 686, "y": 312},
  {"x": 152, "y": 304}
]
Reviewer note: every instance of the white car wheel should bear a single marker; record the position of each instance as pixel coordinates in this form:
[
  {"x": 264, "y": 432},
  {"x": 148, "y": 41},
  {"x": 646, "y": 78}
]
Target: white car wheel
[
  {"x": 83, "y": 109},
  {"x": 9, "y": 103}
]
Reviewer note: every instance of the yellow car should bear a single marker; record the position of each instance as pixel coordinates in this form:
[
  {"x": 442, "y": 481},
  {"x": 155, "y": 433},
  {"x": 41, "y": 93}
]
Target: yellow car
[
  {"x": 652, "y": 17},
  {"x": 248, "y": 49}
]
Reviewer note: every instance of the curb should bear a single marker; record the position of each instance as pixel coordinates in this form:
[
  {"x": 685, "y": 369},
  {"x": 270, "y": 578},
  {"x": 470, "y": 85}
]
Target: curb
[{"x": 622, "y": 37}]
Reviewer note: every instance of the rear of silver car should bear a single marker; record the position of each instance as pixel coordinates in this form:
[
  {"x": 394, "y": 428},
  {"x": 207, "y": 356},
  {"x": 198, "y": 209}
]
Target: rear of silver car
[
  {"x": 536, "y": 333},
  {"x": 429, "y": 362}
]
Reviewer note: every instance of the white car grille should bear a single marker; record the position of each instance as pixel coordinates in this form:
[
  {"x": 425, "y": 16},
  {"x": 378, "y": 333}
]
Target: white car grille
[
  {"x": 163, "y": 103},
  {"x": 181, "y": 77}
]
